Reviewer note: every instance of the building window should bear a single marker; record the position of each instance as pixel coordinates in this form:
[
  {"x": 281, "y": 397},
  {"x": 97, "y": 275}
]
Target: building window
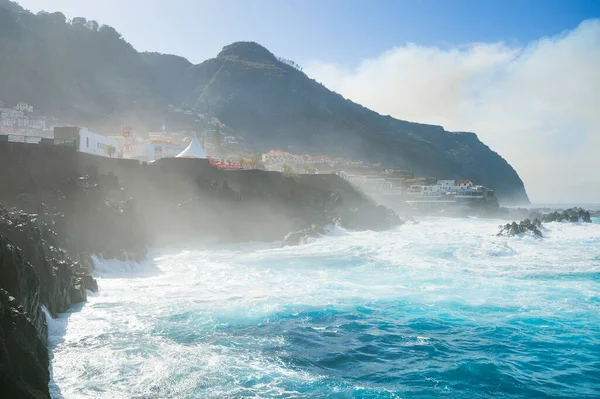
[
  {"x": 87, "y": 142},
  {"x": 102, "y": 146}
]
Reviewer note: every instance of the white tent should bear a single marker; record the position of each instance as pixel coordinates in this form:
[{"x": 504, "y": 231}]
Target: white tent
[{"x": 194, "y": 150}]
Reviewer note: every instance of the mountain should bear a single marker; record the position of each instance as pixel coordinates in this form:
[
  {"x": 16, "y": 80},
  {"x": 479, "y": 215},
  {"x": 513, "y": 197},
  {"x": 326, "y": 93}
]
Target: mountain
[
  {"x": 274, "y": 104},
  {"x": 88, "y": 73},
  {"x": 79, "y": 70}
]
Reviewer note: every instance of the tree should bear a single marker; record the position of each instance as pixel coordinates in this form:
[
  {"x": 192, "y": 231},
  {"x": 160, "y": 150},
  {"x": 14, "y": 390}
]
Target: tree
[
  {"x": 288, "y": 170},
  {"x": 79, "y": 21},
  {"x": 93, "y": 25},
  {"x": 110, "y": 150},
  {"x": 309, "y": 169},
  {"x": 55, "y": 17},
  {"x": 109, "y": 31},
  {"x": 255, "y": 161}
]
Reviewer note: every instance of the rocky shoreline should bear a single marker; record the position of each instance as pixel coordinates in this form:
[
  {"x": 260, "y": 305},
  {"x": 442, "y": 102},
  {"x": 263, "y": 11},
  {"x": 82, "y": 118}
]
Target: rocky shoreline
[
  {"x": 59, "y": 207},
  {"x": 533, "y": 223}
]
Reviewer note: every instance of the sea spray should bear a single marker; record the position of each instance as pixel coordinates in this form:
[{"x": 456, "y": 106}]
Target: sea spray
[{"x": 443, "y": 307}]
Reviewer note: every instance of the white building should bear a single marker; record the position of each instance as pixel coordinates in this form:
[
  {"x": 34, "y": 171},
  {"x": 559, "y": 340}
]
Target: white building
[
  {"x": 464, "y": 185},
  {"x": 8, "y": 121},
  {"x": 10, "y": 113},
  {"x": 282, "y": 157},
  {"x": 446, "y": 188},
  {"x": 370, "y": 183},
  {"x": 88, "y": 142},
  {"x": 22, "y": 106},
  {"x": 23, "y": 122},
  {"x": 38, "y": 124},
  {"x": 446, "y": 184},
  {"x": 155, "y": 149}
]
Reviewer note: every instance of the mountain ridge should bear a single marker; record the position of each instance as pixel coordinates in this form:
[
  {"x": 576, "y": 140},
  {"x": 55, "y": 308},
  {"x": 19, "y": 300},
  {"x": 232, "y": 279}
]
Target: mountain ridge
[{"x": 88, "y": 74}]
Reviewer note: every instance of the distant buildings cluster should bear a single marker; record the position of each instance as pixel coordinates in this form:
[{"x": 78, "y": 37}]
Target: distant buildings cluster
[
  {"x": 21, "y": 119},
  {"x": 445, "y": 188},
  {"x": 276, "y": 159},
  {"x": 22, "y": 123}
]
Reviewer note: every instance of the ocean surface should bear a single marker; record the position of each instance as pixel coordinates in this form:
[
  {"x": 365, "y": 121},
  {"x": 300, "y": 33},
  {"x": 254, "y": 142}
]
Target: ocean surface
[{"x": 442, "y": 308}]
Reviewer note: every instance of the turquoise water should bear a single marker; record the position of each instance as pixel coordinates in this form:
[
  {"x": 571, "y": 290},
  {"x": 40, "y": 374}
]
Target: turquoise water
[{"x": 443, "y": 308}]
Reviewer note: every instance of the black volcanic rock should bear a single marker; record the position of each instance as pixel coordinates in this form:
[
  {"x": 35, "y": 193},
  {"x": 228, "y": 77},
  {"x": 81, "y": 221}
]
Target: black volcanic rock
[
  {"x": 23, "y": 332},
  {"x": 61, "y": 280},
  {"x": 525, "y": 226},
  {"x": 572, "y": 215}
]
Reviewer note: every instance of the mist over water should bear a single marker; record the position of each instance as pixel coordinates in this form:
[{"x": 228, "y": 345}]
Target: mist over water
[{"x": 441, "y": 308}]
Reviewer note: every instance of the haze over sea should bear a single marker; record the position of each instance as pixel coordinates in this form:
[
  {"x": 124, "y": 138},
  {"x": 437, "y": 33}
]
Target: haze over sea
[{"x": 439, "y": 308}]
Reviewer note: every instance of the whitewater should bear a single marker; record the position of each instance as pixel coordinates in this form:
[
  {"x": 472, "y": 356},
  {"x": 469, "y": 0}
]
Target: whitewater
[{"x": 438, "y": 308}]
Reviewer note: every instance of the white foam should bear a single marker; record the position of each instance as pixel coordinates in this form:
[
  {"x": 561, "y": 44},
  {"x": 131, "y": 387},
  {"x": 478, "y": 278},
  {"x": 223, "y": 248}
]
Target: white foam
[
  {"x": 123, "y": 343},
  {"x": 121, "y": 268}
]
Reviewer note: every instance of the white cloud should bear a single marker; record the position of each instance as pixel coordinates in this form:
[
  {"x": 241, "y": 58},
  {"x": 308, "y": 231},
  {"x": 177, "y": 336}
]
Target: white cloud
[{"x": 538, "y": 105}]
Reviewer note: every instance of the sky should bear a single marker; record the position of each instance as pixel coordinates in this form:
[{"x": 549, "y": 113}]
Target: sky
[{"x": 523, "y": 74}]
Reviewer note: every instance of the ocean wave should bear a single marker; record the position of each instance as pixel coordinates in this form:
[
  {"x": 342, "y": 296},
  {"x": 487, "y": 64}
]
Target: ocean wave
[{"x": 443, "y": 307}]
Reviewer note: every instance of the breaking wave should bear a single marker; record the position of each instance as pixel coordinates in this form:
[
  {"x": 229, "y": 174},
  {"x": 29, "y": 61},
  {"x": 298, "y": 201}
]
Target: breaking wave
[{"x": 443, "y": 307}]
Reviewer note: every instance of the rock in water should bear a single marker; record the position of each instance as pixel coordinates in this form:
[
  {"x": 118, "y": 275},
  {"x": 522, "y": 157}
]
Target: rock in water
[
  {"x": 514, "y": 229},
  {"x": 572, "y": 215}
]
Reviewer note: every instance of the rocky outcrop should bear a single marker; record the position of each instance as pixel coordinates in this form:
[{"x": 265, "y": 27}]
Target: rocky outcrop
[
  {"x": 34, "y": 271},
  {"x": 61, "y": 279},
  {"x": 23, "y": 331},
  {"x": 23, "y": 355},
  {"x": 525, "y": 226},
  {"x": 572, "y": 215}
]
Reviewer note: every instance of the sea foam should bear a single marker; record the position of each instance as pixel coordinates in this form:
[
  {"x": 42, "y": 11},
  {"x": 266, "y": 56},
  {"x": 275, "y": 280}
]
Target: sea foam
[{"x": 443, "y": 307}]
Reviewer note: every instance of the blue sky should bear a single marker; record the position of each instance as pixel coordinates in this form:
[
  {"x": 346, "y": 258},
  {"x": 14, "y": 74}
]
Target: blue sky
[{"x": 341, "y": 31}]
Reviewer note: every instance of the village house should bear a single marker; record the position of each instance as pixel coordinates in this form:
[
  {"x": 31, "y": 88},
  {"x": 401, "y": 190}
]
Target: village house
[
  {"x": 457, "y": 189},
  {"x": 370, "y": 183},
  {"x": 282, "y": 157},
  {"x": 464, "y": 184},
  {"x": 8, "y": 121},
  {"x": 23, "y": 106},
  {"x": 87, "y": 141},
  {"x": 10, "y": 113},
  {"x": 37, "y": 123}
]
